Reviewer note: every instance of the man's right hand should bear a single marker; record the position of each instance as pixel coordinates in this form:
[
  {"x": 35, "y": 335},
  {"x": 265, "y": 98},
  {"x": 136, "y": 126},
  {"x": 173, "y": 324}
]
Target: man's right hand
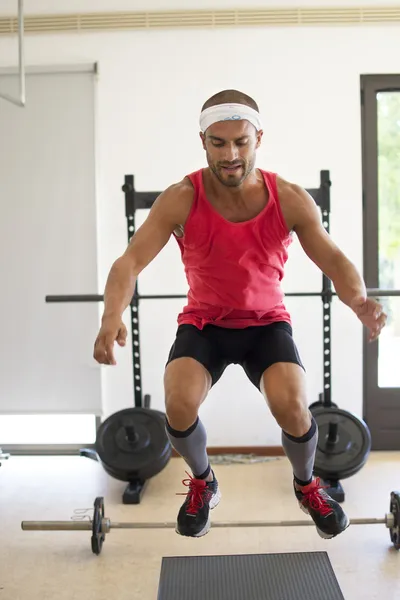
[{"x": 112, "y": 330}]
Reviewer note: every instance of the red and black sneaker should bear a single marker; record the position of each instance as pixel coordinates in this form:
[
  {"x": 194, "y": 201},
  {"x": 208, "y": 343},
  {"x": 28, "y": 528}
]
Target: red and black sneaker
[
  {"x": 194, "y": 515},
  {"x": 327, "y": 514}
]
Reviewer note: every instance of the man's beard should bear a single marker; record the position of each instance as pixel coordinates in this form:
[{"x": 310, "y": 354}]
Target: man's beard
[{"x": 236, "y": 177}]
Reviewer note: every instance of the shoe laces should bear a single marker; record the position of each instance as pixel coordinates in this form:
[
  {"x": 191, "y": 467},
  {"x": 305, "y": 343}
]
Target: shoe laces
[
  {"x": 197, "y": 494},
  {"x": 316, "y": 498}
]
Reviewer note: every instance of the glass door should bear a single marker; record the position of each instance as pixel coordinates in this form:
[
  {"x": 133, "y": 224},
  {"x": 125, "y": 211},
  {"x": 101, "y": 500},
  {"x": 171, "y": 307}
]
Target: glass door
[{"x": 381, "y": 193}]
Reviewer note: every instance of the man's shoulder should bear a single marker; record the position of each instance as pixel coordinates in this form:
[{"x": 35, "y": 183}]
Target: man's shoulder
[
  {"x": 181, "y": 188},
  {"x": 294, "y": 201},
  {"x": 290, "y": 192},
  {"x": 176, "y": 199}
]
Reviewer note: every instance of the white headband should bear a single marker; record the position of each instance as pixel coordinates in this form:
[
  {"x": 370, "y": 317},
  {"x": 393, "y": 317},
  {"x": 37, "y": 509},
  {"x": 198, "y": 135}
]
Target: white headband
[{"x": 229, "y": 112}]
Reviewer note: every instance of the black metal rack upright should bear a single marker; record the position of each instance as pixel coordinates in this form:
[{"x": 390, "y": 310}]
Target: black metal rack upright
[
  {"x": 322, "y": 198},
  {"x": 134, "y": 201}
]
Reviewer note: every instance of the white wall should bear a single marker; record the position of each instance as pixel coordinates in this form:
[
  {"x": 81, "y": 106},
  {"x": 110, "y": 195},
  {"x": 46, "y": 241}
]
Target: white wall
[{"x": 150, "y": 89}]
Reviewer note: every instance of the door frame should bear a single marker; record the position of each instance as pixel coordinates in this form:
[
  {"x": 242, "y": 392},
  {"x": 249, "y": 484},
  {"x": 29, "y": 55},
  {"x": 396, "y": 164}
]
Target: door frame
[{"x": 370, "y": 85}]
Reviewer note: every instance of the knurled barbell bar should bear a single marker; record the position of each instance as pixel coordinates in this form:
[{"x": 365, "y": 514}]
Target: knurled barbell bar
[{"x": 100, "y": 525}]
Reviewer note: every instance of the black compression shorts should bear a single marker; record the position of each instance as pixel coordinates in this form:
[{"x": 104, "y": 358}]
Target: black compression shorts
[{"x": 254, "y": 348}]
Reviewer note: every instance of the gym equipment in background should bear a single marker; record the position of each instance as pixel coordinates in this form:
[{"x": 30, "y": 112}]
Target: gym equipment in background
[
  {"x": 344, "y": 444},
  {"x": 132, "y": 445}
]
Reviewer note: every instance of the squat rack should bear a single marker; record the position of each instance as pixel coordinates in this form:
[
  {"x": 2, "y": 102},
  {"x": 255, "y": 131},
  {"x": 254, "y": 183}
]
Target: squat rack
[{"x": 144, "y": 200}]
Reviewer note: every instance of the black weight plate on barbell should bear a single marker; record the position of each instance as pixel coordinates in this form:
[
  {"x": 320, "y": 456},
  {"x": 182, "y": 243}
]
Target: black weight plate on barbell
[
  {"x": 133, "y": 444},
  {"x": 98, "y": 537},
  {"x": 351, "y": 450},
  {"x": 395, "y": 511}
]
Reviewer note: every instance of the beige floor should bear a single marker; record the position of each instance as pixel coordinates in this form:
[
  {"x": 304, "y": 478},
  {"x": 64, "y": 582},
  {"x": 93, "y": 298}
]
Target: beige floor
[{"x": 60, "y": 565}]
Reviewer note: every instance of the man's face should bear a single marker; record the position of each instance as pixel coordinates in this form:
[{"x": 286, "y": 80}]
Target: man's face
[{"x": 231, "y": 150}]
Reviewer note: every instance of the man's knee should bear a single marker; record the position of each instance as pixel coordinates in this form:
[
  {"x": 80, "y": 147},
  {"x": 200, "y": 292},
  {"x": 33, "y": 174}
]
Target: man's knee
[
  {"x": 287, "y": 400},
  {"x": 186, "y": 385},
  {"x": 181, "y": 409},
  {"x": 296, "y": 421}
]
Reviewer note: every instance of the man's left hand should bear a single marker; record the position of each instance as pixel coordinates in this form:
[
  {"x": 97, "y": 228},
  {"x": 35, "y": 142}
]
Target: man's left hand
[{"x": 371, "y": 314}]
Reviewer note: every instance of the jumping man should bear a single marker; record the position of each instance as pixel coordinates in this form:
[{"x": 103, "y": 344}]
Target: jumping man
[{"x": 233, "y": 224}]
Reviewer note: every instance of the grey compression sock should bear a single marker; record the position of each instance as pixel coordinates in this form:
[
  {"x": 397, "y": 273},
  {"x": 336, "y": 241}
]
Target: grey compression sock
[
  {"x": 192, "y": 446},
  {"x": 301, "y": 453}
]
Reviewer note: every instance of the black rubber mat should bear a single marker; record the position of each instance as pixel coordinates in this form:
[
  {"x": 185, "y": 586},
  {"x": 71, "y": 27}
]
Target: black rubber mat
[{"x": 292, "y": 576}]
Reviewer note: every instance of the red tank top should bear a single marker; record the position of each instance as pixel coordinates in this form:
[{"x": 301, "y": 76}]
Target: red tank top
[{"x": 234, "y": 270}]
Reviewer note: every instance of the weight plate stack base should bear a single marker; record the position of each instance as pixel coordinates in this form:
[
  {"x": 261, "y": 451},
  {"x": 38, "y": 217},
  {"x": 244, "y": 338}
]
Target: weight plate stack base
[{"x": 134, "y": 491}]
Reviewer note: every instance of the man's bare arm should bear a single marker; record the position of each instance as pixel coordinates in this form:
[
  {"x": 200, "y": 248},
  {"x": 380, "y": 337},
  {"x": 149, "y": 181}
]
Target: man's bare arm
[
  {"x": 170, "y": 210},
  {"x": 306, "y": 222},
  {"x": 304, "y": 218}
]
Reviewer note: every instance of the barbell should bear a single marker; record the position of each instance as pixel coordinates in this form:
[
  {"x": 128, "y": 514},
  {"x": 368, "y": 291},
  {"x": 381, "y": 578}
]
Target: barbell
[{"x": 100, "y": 526}]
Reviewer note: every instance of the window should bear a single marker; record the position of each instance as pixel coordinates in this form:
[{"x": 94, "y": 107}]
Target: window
[{"x": 54, "y": 431}]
